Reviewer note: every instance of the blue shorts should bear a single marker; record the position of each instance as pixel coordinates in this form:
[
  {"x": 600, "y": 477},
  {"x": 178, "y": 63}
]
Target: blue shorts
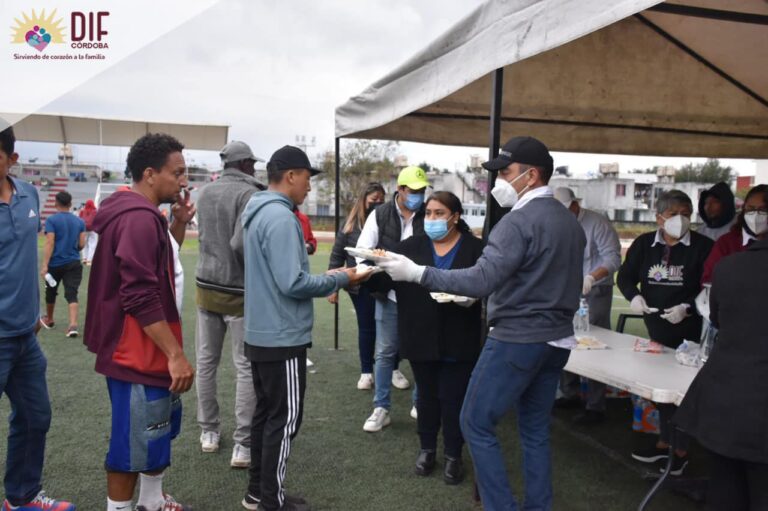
[{"x": 144, "y": 421}]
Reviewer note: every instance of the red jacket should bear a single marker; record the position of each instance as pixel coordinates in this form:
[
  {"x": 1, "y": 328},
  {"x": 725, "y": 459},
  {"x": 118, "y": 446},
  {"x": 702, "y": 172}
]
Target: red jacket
[
  {"x": 131, "y": 286},
  {"x": 306, "y": 227},
  {"x": 727, "y": 244}
]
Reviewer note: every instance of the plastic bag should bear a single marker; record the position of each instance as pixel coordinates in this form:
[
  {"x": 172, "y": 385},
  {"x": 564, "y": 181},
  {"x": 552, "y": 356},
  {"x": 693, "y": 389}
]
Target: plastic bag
[{"x": 687, "y": 354}]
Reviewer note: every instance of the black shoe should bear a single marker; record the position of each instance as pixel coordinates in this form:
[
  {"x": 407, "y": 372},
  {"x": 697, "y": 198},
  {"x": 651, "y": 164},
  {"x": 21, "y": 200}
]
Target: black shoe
[
  {"x": 454, "y": 471},
  {"x": 589, "y": 417},
  {"x": 254, "y": 503},
  {"x": 425, "y": 463},
  {"x": 678, "y": 465},
  {"x": 651, "y": 454},
  {"x": 568, "y": 402}
]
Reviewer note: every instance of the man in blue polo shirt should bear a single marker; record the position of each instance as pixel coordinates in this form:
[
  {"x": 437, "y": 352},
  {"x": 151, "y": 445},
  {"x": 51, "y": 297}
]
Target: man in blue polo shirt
[
  {"x": 64, "y": 239},
  {"x": 22, "y": 363}
]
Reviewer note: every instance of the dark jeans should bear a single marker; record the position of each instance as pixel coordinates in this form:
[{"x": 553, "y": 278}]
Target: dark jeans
[
  {"x": 442, "y": 386},
  {"x": 279, "y": 389},
  {"x": 71, "y": 275},
  {"x": 524, "y": 378},
  {"x": 365, "y": 308},
  {"x": 22, "y": 379},
  {"x": 737, "y": 485}
]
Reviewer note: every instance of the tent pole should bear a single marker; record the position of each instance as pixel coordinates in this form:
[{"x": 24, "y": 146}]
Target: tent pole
[
  {"x": 492, "y": 213},
  {"x": 337, "y": 194}
]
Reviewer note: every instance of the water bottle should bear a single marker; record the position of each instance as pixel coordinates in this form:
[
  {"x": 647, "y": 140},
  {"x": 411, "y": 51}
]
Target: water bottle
[
  {"x": 50, "y": 280},
  {"x": 581, "y": 319}
]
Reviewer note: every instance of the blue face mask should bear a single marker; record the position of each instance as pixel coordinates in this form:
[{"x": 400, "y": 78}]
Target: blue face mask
[
  {"x": 414, "y": 201},
  {"x": 436, "y": 229}
]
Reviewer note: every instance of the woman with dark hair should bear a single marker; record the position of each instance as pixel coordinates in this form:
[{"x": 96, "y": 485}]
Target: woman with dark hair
[
  {"x": 441, "y": 340},
  {"x": 750, "y": 226},
  {"x": 364, "y": 303}
]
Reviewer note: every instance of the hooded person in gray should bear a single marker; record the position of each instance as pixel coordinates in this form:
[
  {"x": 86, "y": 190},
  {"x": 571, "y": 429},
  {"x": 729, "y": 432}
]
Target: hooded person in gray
[
  {"x": 278, "y": 322},
  {"x": 531, "y": 271}
]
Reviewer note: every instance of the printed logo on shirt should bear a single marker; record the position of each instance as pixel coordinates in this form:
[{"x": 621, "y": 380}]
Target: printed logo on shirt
[
  {"x": 32, "y": 213},
  {"x": 663, "y": 274}
]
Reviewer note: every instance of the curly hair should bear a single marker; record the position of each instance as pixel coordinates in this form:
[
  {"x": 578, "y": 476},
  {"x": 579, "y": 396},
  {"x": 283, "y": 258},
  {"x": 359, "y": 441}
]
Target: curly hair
[
  {"x": 7, "y": 141},
  {"x": 151, "y": 151}
]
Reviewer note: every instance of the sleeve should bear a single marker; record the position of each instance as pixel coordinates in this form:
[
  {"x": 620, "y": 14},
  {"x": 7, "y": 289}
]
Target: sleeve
[
  {"x": 236, "y": 242},
  {"x": 50, "y": 225},
  {"x": 500, "y": 259},
  {"x": 627, "y": 278},
  {"x": 309, "y": 236},
  {"x": 369, "y": 236},
  {"x": 703, "y": 251},
  {"x": 608, "y": 246},
  {"x": 137, "y": 256},
  {"x": 338, "y": 256},
  {"x": 282, "y": 248},
  {"x": 717, "y": 253}
]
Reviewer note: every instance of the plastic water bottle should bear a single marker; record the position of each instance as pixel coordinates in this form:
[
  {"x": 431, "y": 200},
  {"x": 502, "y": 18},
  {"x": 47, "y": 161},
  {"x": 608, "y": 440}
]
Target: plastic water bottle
[
  {"x": 50, "y": 280},
  {"x": 581, "y": 319}
]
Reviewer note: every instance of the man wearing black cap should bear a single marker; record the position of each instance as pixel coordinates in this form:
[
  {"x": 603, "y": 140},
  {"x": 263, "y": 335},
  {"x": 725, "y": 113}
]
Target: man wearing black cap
[
  {"x": 530, "y": 271},
  {"x": 278, "y": 322}
]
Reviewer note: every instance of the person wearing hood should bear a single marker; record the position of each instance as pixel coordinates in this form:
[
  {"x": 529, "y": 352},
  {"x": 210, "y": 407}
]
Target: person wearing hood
[
  {"x": 717, "y": 209},
  {"x": 132, "y": 293},
  {"x": 751, "y": 225},
  {"x": 87, "y": 214},
  {"x": 278, "y": 321},
  {"x": 667, "y": 264}
]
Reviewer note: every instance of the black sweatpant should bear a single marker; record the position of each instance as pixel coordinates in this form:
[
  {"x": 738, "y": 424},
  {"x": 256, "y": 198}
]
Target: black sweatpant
[
  {"x": 442, "y": 386},
  {"x": 70, "y": 274},
  {"x": 279, "y": 389},
  {"x": 737, "y": 485}
]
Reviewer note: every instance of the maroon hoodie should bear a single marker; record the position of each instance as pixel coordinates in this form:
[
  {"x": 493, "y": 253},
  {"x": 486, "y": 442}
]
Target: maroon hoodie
[{"x": 131, "y": 286}]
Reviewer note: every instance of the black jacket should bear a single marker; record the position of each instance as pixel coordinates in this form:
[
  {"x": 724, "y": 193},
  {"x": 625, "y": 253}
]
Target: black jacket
[
  {"x": 726, "y": 407},
  {"x": 723, "y": 192},
  {"x": 430, "y": 331},
  {"x": 666, "y": 285},
  {"x": 339, "y": 256},
  {"x": 388, "y": 220}
]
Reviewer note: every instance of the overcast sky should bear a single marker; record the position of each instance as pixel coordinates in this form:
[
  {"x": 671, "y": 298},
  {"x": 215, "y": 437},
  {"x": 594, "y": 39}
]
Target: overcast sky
[{"x": 275, "y": 70}]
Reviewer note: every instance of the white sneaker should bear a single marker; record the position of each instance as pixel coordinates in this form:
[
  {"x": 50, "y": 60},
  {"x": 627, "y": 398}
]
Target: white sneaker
[
  {"x": 209, "y": 441},
  {"x": 399, "y": 380},
  {"x": 241, "y": 456},
  {"x": 365, "y": 382},
  {"x": 414, "y": 413},
  {"x": 378, "y": 420},
  {"x": 310, "y": 363}
]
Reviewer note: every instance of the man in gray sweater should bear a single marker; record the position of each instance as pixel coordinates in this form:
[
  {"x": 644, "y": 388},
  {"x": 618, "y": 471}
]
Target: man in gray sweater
[
  {"x": 220, "y": 299},
  {"x": 531, "y": 272}
]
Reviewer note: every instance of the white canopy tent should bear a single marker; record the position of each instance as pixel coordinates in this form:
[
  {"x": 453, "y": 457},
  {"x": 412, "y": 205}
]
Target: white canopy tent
[{"x": 71, "y": 129}]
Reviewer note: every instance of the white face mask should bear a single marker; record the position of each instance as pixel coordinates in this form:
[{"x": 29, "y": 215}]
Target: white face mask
[
  {"x": 757, "y": 221},
  {"x": 504, "y": 193},
  {"x": 677, "y": 226}
]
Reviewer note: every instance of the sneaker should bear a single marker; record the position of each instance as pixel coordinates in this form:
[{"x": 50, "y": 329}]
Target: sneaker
[
  {"x": 241, "y": 456},
  {"x": 365, "y": 382},
  {"x": 170, "y": 504},
  {"x": 650, "y": 454},
  {"x": 251, "y": 502},
  {"x": 414, "y": 413},
  {"x": 72, "y": 331},
  {"x": 399, "y": 380},
  {"x": 47, "y": 324},
  {"x": 378, "y": 420},
  {"x": 209, "y": 441},
  {"x": 678, "y": 465},
  {"x": 41, "y": 503}
]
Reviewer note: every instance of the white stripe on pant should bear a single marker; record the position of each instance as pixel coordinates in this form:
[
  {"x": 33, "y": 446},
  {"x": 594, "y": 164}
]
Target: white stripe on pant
[{"x": 292, "y": 386}]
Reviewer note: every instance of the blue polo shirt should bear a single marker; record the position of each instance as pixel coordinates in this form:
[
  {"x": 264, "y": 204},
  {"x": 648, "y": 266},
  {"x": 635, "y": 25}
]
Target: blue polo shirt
[
  {"x": 66, "y": 229},
  {"x": 19, "y": 288}
]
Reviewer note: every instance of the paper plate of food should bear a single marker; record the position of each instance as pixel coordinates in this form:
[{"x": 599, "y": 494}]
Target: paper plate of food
[
  {"x": 365, "y": 268},
  {"x": 369, "y": 254},
  {"x": 448, "y": 298},
  {"x": 590, "y": 343}
]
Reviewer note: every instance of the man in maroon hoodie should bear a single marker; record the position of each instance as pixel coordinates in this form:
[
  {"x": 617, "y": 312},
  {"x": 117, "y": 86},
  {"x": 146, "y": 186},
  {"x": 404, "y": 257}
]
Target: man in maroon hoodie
[{"x": 133, "y": 326}]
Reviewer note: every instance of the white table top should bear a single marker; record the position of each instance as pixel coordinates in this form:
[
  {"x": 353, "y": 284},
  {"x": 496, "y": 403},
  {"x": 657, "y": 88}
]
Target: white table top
[{"x": 656, "y": 377}]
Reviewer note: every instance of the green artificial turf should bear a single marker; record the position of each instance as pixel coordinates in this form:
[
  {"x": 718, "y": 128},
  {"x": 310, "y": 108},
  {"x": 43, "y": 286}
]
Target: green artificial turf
[{"x": 333, "y": 463}]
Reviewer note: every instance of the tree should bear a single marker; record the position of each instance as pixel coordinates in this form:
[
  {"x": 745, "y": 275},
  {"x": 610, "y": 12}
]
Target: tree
[
  {"x": 362, "y": 162},
  {"x": 710, "y": 171}
]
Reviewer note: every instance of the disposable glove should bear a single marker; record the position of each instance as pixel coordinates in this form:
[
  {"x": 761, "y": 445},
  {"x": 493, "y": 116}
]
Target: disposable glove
[
  {"x": 639, "y": 306},
  {"x": 676, "y": 314},
  {"x": 400, "y": 268},
  {"x": 586, "y": 287}
]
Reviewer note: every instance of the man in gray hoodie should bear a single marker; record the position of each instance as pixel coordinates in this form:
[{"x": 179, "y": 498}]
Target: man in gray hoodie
[
  {"x": 278, "y": 322},
  {"x": 220, "y": 299}
]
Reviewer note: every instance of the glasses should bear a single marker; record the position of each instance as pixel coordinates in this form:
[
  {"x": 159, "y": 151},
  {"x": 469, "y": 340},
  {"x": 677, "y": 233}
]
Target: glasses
[{"x": 759, "y": 209}]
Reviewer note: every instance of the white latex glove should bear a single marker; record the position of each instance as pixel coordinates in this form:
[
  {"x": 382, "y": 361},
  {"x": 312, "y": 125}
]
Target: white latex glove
[
  {"x": 586, "y": 287},
  {"x": 639, "y": 306},
  {"x": 467, "y": 303},
  {"x": 676, "y": 314},
  {"x": 400, "y": 268}
]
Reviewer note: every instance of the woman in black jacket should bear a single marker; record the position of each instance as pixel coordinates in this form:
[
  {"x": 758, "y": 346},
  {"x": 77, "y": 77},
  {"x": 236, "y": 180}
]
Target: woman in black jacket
[
  {"x": 726, "y": 406},
  {"x": 372, "y": 196},
  {"x": 441, "y": 340}
]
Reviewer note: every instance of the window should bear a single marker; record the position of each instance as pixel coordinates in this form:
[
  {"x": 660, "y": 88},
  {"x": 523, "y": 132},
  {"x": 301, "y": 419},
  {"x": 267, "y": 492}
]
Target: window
[
  {"x": 323, "y": 210},
  {"x": 621, "y": 190}
]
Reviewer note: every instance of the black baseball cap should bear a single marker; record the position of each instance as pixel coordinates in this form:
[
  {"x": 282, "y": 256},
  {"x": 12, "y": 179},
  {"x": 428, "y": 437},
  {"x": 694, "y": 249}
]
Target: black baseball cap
[
  {"x": 527, "y": 150},
  {"x": 290, "y": 157}
]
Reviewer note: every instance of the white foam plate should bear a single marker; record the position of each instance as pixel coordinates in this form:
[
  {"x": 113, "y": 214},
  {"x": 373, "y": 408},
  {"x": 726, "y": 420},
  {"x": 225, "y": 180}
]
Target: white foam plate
[{"x": 367, "y": 254}]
